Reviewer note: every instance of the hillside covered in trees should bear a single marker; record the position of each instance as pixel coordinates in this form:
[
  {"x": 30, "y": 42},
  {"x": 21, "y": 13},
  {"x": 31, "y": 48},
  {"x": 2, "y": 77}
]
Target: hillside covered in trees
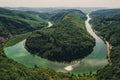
[
  {"x": 107, "y": 23},
  {"x": 13, "y": 23},
  {"x": 17, "y": 22},
  {"x": 66, "y": 40}
]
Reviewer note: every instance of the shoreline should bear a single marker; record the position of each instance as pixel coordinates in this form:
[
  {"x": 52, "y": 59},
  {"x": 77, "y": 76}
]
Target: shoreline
[
  {"x": 108, "y": 45},
  {"x": 108, "y": 52}
]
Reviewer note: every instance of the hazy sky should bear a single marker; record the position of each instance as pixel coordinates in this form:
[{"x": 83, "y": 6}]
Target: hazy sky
[{"x": 60, "y": 3}]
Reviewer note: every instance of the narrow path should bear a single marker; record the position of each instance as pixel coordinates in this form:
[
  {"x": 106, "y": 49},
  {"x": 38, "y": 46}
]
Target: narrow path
[{"x": 108, "y": 52}]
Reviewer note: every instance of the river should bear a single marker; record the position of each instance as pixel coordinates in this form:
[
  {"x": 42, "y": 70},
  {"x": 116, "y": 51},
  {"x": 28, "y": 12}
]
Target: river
[{"x": 94, "y": 61}]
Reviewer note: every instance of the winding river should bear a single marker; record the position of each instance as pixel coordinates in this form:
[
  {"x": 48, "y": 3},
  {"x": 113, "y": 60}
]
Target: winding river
[{"x": 94, "y": 61}]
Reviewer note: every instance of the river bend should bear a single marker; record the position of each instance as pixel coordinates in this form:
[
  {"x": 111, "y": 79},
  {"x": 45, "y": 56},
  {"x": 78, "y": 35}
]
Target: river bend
[{"x": 94, "y": 61}]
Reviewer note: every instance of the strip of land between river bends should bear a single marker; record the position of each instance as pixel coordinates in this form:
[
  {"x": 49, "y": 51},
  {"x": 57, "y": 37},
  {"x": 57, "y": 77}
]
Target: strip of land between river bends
[{"x": 108, "y": 52}]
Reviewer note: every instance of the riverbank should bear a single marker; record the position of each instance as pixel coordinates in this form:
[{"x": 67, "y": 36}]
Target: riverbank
[{"x": 108, "y": 52}]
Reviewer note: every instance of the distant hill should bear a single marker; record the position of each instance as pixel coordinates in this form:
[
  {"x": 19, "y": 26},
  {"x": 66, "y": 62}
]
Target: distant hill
[
  {"x": 40, "y": 10},
  {"x": 105, "y": 12},
  {"x": 51, "y": 10}
]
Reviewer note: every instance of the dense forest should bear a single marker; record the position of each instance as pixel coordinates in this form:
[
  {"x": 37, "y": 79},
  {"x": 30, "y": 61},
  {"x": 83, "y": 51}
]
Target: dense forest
[
  {"x": 11, "y": 22},
  {"x": 66, "y": 40},
  {"x": 107, "y": 23},
  {"x": 17, "y": 22}
]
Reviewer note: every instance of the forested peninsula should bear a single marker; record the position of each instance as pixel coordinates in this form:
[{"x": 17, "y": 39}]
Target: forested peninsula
[{"x": 66, "y": 40}]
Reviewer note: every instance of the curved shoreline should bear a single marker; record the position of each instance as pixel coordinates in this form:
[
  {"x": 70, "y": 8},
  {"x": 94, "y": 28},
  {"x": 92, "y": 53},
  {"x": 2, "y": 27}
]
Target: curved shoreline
[{"x": 108, "y": 45}]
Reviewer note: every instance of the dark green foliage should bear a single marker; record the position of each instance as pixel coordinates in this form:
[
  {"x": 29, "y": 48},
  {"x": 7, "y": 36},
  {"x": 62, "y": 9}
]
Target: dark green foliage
[
  {"x": 66, "y": 40},
  {"x": 22, "y": 14},
  {"x": 108, "y": 26},
  {"x": 10, "y": 24},
  {"x": 58, "y": 15},
  {"x": 10, "y": 70},
  {"x": 16, "y": 22}
]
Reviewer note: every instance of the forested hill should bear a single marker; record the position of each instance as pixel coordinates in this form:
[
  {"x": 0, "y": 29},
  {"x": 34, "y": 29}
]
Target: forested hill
[
  {"x": 108, "y": 26},
  {"x": 16, "y": 22},
  {"x": 105, "y": 12},
  {"x": 57, "y": 15},
  {"x": 66, "y": 40}
]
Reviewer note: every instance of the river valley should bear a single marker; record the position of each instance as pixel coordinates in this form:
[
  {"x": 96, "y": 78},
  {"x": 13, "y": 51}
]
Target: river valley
[{"x": 94, "y": 61}]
